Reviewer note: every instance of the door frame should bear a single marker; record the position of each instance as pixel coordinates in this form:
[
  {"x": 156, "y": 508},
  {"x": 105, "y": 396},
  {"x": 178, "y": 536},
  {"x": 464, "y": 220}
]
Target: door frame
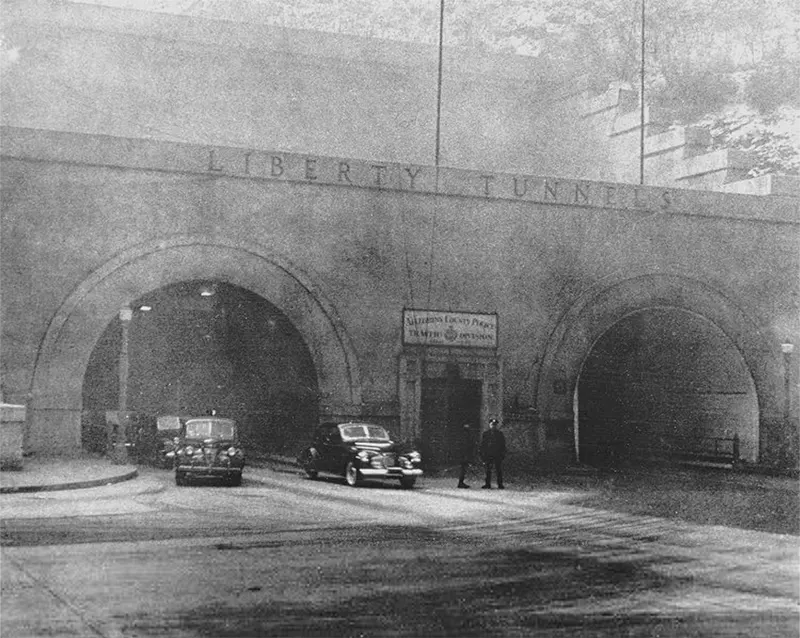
[{"x": 416, "y": 363}]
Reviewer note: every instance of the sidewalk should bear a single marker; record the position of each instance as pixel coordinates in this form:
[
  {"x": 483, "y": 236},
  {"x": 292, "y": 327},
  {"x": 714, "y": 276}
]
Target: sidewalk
[{"x": 40, "y": 474}]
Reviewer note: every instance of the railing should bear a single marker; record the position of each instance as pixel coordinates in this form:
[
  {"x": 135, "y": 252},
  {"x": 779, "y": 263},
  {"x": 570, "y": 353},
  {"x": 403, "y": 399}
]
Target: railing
[
  {"x": 705, "y": 450},
  {"x": 710, "y": 449}
]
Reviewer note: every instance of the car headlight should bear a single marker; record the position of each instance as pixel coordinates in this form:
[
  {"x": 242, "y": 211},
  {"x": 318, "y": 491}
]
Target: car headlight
[
  {"x": 363, "y": 456},
  {"x": 415, "y": 457},
  {"x": 188, "y": 450},
  {"x": 232, "y": 451}
]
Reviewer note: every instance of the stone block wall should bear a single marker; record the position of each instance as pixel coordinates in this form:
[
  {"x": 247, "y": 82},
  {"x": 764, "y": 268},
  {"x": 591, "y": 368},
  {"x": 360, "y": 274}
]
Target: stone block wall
[{"x": 12, "y": 430}]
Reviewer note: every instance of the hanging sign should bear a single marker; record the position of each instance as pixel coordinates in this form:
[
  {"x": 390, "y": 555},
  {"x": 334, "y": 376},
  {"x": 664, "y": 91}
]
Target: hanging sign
[{"x": 441, "y": 328}]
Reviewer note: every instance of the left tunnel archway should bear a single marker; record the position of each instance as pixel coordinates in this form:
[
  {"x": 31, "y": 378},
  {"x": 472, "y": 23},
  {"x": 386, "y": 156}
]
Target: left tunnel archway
[
  {"x": 198, "y": 346},
  {"x": 54, "y": 415}
]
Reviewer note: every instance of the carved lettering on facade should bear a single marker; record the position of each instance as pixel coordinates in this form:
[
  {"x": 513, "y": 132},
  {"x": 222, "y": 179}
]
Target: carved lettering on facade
[
  {"x": 311, "y": 168},
  {"x": 581, "y": 193},
  {"x": 277, "y": 166},
  {"x": 212, "y": 161},
  {"x": 265, "y": 165},
  {"x": 550, "y": 191},
  {"x": 379, "y": 168},
  {"x": 412, "y": 175},
  {"x": 486, "y": 180},
  {"x": 344, "y": 172}
]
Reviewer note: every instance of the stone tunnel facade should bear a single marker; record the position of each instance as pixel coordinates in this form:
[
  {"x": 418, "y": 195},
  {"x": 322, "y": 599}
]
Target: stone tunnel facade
[{"x": 343, "y": 248}]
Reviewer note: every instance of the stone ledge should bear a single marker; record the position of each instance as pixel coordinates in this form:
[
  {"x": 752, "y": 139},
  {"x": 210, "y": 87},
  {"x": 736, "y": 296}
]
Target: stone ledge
[
  {"x": 623, "y": 100},
  {"x": 770, "y": 184},
  {"x": 715, "y": 162},
  {"x": 693, "y": 140}
]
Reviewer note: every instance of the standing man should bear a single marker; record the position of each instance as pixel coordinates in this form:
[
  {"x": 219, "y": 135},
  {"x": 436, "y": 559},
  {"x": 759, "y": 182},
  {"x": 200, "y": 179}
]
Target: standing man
[
  {"x": 493, "y": 451},
  {"x": 467, "y": 453}
]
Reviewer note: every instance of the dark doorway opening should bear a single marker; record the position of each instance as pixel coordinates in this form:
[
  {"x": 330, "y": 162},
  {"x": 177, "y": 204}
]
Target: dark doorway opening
[
  {"x": 199, "y": 346},
  {"x": 447, "y": 404}
]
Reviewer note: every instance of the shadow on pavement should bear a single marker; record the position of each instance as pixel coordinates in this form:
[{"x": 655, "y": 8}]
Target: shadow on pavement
[{"x": 467, "y": 588}]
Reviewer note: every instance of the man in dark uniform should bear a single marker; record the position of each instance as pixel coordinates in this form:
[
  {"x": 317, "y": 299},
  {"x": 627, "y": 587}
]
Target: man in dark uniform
[
  {"x": 467, "y": 453},
  {"x": 493, "y": 451}
]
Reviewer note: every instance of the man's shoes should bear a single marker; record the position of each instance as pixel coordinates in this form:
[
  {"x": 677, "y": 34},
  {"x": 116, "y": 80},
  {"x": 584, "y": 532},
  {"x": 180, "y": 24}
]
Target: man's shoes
[
  {"x": 486, "y": 487},
  {"x": 463, "y": 485},
  {"x": 501, "y": 487}
]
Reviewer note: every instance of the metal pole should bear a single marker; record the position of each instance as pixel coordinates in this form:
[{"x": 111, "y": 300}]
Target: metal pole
[
  {"x": 641, "y": 106},
  {"x": 787, "y": 383},
  {"x": 120, "y": 450},
  {"x": 787, "y": 349},
  {"x": 439, "y": 90}
]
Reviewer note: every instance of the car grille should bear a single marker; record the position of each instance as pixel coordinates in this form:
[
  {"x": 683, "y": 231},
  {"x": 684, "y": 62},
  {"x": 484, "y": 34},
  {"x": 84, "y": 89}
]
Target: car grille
[{"x": 389, "y": 460}]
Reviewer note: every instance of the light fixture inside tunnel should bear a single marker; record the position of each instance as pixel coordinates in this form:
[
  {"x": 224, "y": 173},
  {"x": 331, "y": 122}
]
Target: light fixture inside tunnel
[
  {"x": 145, "y": 308},
  {"x": 207, "y": 291},
  {"x": 787, "y": 348}
]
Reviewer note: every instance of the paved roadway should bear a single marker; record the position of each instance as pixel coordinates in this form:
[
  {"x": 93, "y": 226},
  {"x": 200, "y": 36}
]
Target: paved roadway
[{"x": 286, "y": 556}]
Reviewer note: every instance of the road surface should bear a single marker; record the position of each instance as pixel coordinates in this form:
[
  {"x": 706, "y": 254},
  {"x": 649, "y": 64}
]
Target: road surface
[{"x": 283, "y": 555}]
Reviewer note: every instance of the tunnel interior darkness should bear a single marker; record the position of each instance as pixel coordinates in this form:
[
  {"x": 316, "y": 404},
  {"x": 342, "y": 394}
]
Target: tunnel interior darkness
[
  {"x": 199, "y": 346},
  {"x": 659, "y": 381}
]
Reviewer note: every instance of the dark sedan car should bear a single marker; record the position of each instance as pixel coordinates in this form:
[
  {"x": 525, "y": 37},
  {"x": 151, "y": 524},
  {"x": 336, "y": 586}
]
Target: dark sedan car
[
  {"x": 357, "y": 451},
  {"x": 208, "y": 448}
]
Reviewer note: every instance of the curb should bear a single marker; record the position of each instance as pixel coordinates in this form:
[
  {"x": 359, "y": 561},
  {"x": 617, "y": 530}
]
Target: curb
[{"x": 74, "y": 485}]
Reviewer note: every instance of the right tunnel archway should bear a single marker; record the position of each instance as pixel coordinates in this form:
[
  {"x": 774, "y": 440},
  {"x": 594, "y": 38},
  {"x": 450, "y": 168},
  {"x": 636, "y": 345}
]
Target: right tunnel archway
[
  {"x": 661, "y": 382},
  {"x": 699, "y": 305}
]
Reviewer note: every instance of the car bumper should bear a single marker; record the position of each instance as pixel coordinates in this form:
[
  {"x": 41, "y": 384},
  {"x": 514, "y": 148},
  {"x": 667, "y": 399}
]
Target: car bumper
[
  {"x": 195, "y": 470},
  {"x": 389, "y": 473}
]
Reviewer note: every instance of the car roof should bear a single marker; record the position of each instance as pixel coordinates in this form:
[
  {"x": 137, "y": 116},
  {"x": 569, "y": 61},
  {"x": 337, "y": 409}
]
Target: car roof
[
  {"x": 332, "y": 424},
  {"x": 349, "y": 423}
]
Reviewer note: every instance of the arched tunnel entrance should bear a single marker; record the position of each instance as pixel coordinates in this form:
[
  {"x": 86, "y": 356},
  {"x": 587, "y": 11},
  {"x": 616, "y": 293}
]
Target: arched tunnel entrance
[
  {"x": 197, "y": 346},
  {"x": 662, "y": 383}
]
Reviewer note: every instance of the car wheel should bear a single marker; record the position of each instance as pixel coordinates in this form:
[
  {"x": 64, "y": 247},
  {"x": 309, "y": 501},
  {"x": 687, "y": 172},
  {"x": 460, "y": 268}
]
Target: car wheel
[
  {"x": 407, "y": 482},
  {"x": 351, "y": 474}
]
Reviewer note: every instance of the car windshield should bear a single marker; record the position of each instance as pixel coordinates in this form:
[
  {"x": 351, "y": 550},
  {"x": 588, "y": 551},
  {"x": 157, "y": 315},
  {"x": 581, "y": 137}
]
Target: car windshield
[
  {"x": 209, "y": 428},
  {"x": 168, "y": 423},
  {"x": 353, "y": 432}
]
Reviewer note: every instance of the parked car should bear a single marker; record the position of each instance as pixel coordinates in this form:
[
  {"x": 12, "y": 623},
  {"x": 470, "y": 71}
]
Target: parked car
[
  {"x": 168, "y": 432},
  {"x": 208, "y": 447},
  {"x": 359, "y": 451}
]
